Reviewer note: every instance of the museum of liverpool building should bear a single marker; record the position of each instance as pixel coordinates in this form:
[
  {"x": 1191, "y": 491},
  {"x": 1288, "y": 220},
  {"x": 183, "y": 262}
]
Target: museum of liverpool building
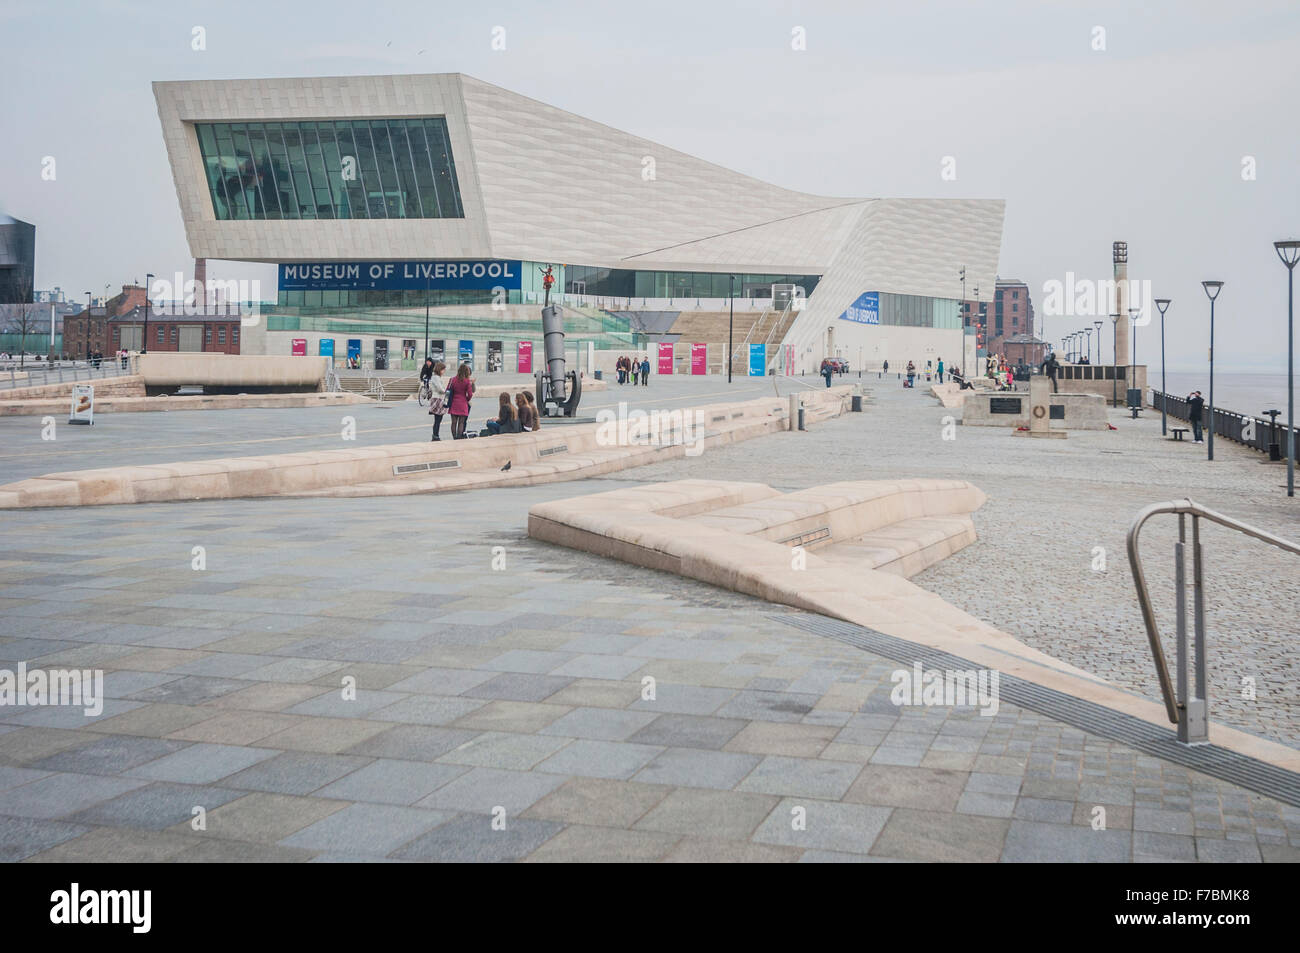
[{"x": 383, "y": 199}]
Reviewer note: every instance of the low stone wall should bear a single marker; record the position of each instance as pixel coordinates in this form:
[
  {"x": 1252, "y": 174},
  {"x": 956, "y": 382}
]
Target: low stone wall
[
  {"x": 949, "y": 394},
  {"x": 208, "y": 369},
  {"x": 550, "y": 453},
  {"x": 136, "y": 404},
  {"x": 1011, "y": 409},
  {"x": 124, "y": 386}
]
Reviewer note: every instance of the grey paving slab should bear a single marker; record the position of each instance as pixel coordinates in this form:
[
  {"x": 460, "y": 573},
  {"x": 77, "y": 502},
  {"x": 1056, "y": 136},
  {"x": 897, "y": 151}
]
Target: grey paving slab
[
  {"x": 1036, "y": 842},
  {"x": 697, "y": 767},
  {"x": 390, "y": 781},
  {"x": 59, "y": 795},
  {"x": 470, "y": 838},
  {"x": 823, "y": 825},
  {"x": 22, "y": 837},
  {"x": 806, "y": 777},
  {"x": 413, "y": 742},
  {"x": 201, "y": 763},
  {"x": 295, "y": 772},
  {"x": 485, "y": 790},
  {"x": 689, "y": 731},
  {"x": 600, "y": 759},
  {"x": 367, "y": 829},
  {"x": 109, "y": 755}
]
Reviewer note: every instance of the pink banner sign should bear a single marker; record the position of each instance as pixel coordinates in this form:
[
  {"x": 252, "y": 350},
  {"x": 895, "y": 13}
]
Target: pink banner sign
[
  {"x": 525, "y": 357},
  {"x": 699, "y": 358},
  {"x": 299, "y": 347},
  {"x": 665, "y": 357}
]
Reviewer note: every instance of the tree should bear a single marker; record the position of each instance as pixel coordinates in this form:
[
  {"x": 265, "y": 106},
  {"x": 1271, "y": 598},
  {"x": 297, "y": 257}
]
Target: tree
[{"x": 21, "y": 317}]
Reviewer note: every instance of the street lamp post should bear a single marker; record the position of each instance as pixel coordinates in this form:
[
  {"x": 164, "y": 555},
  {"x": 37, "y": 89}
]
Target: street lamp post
[
  {"x": 1289, "y": 252},
  {"x": 87, "y": 327},
  {"x": 1212, "y": 289},
  {"x": 1131, "y": 380},
  {"x": 1097, "y": 325},
  {"x": 731, "y": 318},
  {"x": 1163, "y": 305},
  {"x": 1114, "y": 400},
  {"x": 144, "y": 339}
]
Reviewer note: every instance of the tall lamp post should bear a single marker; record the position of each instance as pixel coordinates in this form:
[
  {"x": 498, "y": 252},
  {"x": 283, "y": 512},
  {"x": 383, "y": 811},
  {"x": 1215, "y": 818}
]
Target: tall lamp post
[
  {"x": 1289, "y": 252},
  {"x": 1114, "y": 381},
  {"x": 88, "y": 326},
  {"x": 1212, "y": 289},
  {"x": 1132, "y": 379},
  {"x": 1163, "y": 305},
  {"x": 426, "y": 315},
  {"x": 144, "y": 339},
  {"x": 1097, "y": 325},
  {"x": 731, "y": 319}
]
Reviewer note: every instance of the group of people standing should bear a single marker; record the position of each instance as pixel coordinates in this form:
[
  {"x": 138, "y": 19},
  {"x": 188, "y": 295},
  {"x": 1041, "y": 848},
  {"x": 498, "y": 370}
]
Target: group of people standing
[
  {"x": 453, "y": 397},
  {"x": 629, "y": 370}
]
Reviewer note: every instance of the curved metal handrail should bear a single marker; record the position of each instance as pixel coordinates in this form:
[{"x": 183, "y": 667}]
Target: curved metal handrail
[{"x": 1182, "y": 507}]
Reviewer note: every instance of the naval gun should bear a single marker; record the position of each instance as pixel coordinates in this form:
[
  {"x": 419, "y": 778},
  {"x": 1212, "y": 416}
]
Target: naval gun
[{"x": 558, "y": 390}]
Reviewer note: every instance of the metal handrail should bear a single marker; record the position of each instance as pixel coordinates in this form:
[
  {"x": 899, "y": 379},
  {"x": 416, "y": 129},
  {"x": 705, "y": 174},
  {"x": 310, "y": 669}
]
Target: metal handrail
[{"x": 1192, "y": 711}]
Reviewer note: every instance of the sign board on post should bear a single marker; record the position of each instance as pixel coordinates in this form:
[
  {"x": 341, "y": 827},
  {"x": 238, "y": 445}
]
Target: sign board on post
[
  {"x": 757, "y": 360},
  {"x": 495, "y": 358},
  {"x": 83, "y": 405},
  {"x": 326, "y": 347},
  {"x": 467, "y": 353},
  {"x": 699, "y": 358},
  {"x": 354, "y": 352},
  {"x": 665, "y": 357},
  {"x": 525, "y": 354},
  {"x": 299, "y": 347}
]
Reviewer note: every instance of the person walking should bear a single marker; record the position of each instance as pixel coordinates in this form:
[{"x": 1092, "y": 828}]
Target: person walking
[
  {"x": 911, "y": 374},
  {"x": 939, "y": 368},
  {"x": 461, "y": 390},
  {"x": 645, "y": 370},
  {"x": 1195, "y": 407},
  {"x": 886, "y": 366},
  {"x": 826, "y": 371},
  {"x": 437, "y": 396}
]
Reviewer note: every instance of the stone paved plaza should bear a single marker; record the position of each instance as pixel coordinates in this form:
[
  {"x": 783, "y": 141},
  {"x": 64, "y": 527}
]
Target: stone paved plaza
[{"x": 516, "y": 692}]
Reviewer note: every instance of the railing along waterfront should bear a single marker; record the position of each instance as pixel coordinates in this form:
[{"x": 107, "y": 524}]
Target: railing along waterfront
[{"x": 1248, "y": 430}]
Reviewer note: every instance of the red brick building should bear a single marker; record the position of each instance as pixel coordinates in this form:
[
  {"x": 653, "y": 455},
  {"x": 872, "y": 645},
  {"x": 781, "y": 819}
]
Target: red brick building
[
  {"x": 1009, "y": 315},
  {"x": 120, "y": 324}
]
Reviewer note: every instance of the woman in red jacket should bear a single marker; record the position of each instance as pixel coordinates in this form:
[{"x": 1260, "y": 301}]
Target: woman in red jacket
[{"x": 460, "y": 390}]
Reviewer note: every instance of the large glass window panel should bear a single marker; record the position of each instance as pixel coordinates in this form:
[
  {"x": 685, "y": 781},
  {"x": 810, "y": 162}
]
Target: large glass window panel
[
  {"x": 395, "y": 168},
  {"x": 404, "y": 163},
  {"x": 391, "y": 195},
  {"x": 266, "y": 183},
  {"x": 350, "y": 170}
]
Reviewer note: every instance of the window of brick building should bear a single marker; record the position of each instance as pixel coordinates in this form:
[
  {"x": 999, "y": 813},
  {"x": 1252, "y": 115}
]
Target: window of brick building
[{"x": 221, "y": 334}]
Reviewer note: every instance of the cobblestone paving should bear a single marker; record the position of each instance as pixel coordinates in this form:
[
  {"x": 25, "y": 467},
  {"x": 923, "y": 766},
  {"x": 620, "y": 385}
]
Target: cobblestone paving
[
  {"x": 1051, "y": 504},
  {"x": 514, "y": 694}
]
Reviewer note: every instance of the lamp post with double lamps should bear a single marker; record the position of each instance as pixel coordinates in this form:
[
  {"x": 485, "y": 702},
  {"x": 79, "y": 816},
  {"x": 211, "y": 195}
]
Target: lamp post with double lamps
[
  {"x": 1289, "y": 252},
  {"x": 1212, "y": 289},
  {"x": 1163, "y": 305}
]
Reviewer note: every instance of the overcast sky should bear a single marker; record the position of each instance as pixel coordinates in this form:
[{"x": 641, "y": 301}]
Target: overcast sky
[{"x": 1144, "y": 141}]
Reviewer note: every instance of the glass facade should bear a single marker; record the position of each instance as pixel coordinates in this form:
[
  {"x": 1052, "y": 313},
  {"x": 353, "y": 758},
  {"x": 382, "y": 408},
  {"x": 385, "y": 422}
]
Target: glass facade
[
  {"x": 627, "y": 283},
  {"x": 915, "y": 311},
  {"x": 350, "y": 168}
]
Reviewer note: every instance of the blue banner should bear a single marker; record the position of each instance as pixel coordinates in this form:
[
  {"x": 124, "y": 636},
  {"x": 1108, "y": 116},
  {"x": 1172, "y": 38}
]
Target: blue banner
[
  {"x": 865, "y": 310},
  {"x": 757, "y": 360},
  {"x": 467, "y": 353},
  {"x": 480, "y": 275},
  {"x": 326, "y": 347}
]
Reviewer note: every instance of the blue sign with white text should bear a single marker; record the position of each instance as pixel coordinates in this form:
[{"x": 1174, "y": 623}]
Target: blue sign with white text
[
  {"x": 757, "y": 360},
  {"x": 482, "y": 275},
  {"x": 865, "y": 310},
  {"x": 326, "y": 347}
]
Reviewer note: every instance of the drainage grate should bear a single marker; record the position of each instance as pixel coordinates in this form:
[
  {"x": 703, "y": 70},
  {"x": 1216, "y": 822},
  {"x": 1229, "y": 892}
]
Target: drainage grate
[
  {"x": 718, "y": 417},
  {"x": 812, "y": 536},
  {"x": 1249, "y": 773},
  {"x": 546, "y": 452},
  {"x": 425, "y": 467},
  {"x": 739, "y": 413}
]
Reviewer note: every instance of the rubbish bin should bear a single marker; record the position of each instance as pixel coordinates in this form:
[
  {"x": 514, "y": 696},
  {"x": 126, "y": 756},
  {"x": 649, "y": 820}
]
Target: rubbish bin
[
  {"x": 600, "y": 375},
  {"x": 857, "y": 403}
]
